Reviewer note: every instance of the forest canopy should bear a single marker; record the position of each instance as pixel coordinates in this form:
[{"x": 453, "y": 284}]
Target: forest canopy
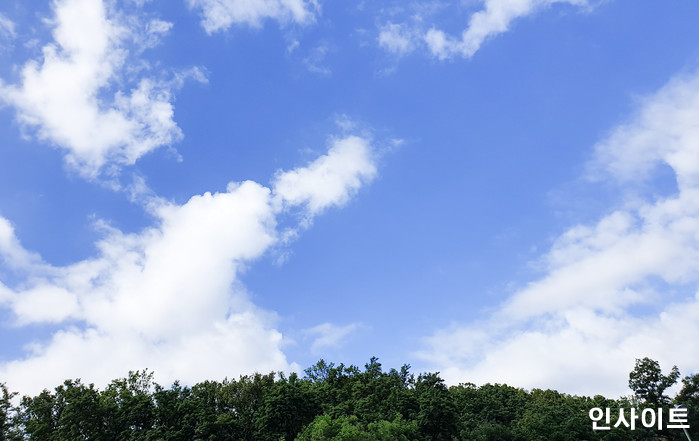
[{"x": 337, "y": 402}]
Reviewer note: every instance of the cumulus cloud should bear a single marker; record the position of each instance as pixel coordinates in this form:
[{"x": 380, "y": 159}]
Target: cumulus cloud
[
  {"x": 170, "y": 298},
  {"x": 578, "y": 329},
  {"x": 663, "y": 132},
  {"x": 219, "y": 15},
  {"x": 68, "y": 98},
  {"x": 495, "y": 18},
  {"x": 329, "y": 180}
]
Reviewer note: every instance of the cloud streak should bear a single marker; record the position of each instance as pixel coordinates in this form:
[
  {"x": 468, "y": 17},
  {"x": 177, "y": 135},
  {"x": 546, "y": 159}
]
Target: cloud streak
[
  {"x": 7, "y": 28},
  {"x": 219, "y": 15},
  {"x": 328, "y": 335},
  {"x": 495, "y": 18}
]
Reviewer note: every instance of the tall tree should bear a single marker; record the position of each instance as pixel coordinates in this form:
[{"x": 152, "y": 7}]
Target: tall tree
[
  {"x": 8, "y": 416},
  {"x": 648, "y": 382},
  {"x": 689, "y": 397},
  {"x": 437, "y": 418}
]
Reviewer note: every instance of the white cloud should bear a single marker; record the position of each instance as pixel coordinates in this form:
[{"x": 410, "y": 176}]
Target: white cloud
[
  {"x": 65, "y": 95},
  {"x": 169, "y": 298},
  {"x": 577, "y": 328},
  {"x": 439, "y": 44},
  {"x": 397, "y": 38},
  {"x": 663, "y": 132},
  {"x": 328, "y": 335},
  {"x": 219, "y": 15},
  {"x": 11, "y": 251},
  {"x": 329, "y": 180},
  {"x": 495, "y": 18},
  {"x": 154, "y": 32}
]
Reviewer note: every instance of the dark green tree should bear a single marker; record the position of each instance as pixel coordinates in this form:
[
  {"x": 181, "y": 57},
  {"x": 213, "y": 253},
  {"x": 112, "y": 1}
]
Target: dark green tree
[
  {"x": 289, "y": 406},
  {"x": 689, "y": 397},
  {"x": 437, "y": 417},
  {"x": 172, "y": 414},
  {"x": 243, "y": 403},
  {"x": 553, "y": 416},
  {"x": 488, "y": 412},
  {"x": 9, "y": 429},
  {"x": 128, "y": 406},
  {"x": 80, "y": 413},
  {"x": 39, "y": 416},
  {"x": 648, "y": 382},
  {"x": 350, "y": 428}
]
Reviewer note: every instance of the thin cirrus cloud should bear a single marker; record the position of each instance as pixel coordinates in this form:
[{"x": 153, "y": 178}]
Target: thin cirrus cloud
[
  {"x": 7, "y": 28},
  {"x": 495, "y": 18},
  {"x": 219, "y": 15},
  {"x": 577, "y": 328},
  {"x": 67, "y": 97},
  {"x": 169, "y": 298},
  {"x": 327, "y": 335}
]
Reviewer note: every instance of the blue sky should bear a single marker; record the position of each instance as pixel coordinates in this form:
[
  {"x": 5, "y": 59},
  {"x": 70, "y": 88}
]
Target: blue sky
[{"x": 501, "y": 190}]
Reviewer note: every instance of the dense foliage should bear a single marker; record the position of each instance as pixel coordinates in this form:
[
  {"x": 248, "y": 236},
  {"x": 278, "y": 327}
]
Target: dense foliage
[{"x": 339, "y": 403}]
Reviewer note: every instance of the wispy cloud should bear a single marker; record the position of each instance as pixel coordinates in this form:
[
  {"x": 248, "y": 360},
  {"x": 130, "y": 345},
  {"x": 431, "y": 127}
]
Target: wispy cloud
[
  {"x": 316, "y": 61},
  {"x": 7, "y": 27},
  {"x": 219, "y": 15},
  {"x": 169, "y": 298},
  {"x": 495, "y": 18},
  {"x": 399, "y": 39},
  {"x": 577, "y": 328},
  {"x": 329, "y": 336},
  {"x": 68, "y": 96}
]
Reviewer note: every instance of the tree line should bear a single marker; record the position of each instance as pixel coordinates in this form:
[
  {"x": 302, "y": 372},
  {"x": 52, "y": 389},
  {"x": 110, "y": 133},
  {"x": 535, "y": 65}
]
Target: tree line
[{"x": 335, "y": 403}]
